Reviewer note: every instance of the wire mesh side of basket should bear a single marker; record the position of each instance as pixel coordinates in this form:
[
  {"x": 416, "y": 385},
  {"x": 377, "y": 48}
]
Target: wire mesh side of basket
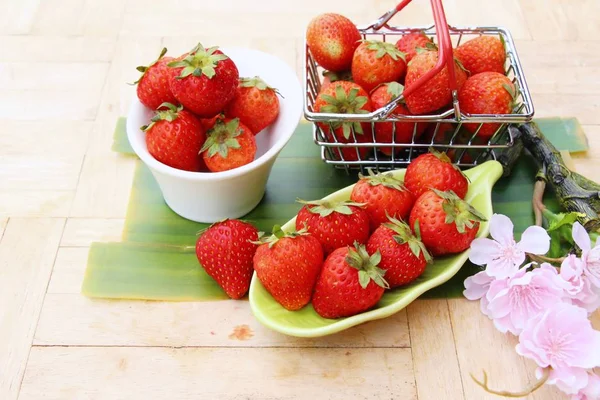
[{"x": 445, "y": 130}]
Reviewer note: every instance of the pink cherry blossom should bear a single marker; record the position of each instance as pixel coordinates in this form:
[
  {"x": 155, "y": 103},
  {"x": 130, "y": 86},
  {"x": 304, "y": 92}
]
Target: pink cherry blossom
[
  {"x": 590, "y": 255},
  {"x": 516, "y": 300},
  {"x": 577, "y": 285},
  {"x": 562, "y": 338},
  {"x": 476, "y": 287},
  {"x": 503, "y": 256},
  {"x": 591, "y": 391}
]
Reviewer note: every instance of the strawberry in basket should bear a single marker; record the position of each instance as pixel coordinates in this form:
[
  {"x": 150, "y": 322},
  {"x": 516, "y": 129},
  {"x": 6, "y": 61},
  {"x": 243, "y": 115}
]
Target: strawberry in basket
[
  {"x": 376, "y": 62},
  {"x": 482, "y": 54},
  {"x": 332, "y": 39},
  {"x": 409, "y": 43},
  {"x": 344, "y": 97}
]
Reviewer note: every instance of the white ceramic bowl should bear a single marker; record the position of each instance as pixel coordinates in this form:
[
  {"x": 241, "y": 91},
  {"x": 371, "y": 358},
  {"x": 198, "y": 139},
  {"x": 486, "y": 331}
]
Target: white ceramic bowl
[{"x": 211, "y": 197}]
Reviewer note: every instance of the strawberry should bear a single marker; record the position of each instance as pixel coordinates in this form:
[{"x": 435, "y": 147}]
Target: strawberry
[
  {"x": 345, "y": 97},
  {"x": 382, "y": 195},
  {"x": 225, "y": 250},
  {"x": 409, "y": 43},
  {"x": 375, "y": 62},
  {"x": 384, "y": 131},
  {"x": 434, "y": 170},
  {"x": 255, "y": 104},
  {"x": 334, "y": 224},
  {"x": 287, "y": 265},
  {"x": 447, "y": 223},
  {"x": 332, "y": 39},
  {"x": 153, "y": 85},
  {"x": 403, "y": 254},
  {"x": 482, "y": 54},
  {"x": 205, "y": 81},
  {"x": 350, "y": 282},
  {"x": 434, "y": 93},
  {"x": 174, "y": 137},
  {"x": 208, "y": 123},
  {"x": 229, "y": 144},
  {"x": 486, "y": 93}
]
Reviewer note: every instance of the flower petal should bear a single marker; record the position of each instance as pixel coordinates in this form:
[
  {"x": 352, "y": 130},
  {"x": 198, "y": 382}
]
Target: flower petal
[
  {"x": 483, "y": 250},
  {"x": 535, "y": 240},
  {"x": 581, "y": 237},
  {"x": 501, "y": 229},
  {"x": 501, "y": 268},
  {"x": 477, "y": 286}
]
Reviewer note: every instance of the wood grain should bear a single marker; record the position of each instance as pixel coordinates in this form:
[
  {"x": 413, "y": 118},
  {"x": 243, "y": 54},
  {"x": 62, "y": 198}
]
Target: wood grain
[
  {"x": 56, "y": 48},
  {"x": 100, "y": 373},
  {"x": 25, "y": 267},
  {"x": 69, "y": 269},
  {"x": 81, "y": 232},
  {"x": 35, "y": 203},
  {"x": 70, "y": 319},
  {"x": 434, "y": 352}
]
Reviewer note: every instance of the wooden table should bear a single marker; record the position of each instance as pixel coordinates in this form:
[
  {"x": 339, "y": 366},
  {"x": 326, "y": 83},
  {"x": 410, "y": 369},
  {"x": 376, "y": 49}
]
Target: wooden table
[{"x": 64, "y": 65}]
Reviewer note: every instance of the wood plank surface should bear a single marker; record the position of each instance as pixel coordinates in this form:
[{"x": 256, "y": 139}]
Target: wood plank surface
[
  {"x": 56, "y": 373},
  {"x": 25, "y": 268}
]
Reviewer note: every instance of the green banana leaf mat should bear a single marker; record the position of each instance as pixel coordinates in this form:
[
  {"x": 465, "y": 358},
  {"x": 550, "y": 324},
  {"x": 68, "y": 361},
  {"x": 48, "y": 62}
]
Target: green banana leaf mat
[{"x": 156, "y": 259}]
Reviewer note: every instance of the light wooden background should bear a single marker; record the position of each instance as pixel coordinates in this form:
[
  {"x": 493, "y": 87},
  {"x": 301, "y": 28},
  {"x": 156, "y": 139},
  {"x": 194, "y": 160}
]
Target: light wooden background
[{"x": 64, "y": 65}]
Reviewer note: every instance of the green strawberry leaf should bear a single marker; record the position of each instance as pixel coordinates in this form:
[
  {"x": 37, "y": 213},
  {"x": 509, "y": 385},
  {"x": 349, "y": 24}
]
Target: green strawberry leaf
[
  {"x": 458, "y": 211},
  {"x": 352, "y": 96},
  {"x": 340, "y": 93},
  {"x": 325, "y": 208},
  {"x": 394, "y": 89},
  {"x": 346, "y": 130},
  {"x": 363, "y": 278}
]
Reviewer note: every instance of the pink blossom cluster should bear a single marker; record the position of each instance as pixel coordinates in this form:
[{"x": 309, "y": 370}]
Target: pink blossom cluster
[{"x": 547, "y": 309}]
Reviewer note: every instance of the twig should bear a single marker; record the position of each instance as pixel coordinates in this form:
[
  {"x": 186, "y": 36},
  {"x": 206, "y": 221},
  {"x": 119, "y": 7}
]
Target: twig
[
  {"x": 536, "y": 385},
  {"x": 541, "y": 259}
]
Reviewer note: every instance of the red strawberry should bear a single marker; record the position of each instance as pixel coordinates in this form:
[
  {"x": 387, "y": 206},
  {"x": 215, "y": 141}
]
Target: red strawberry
[
  {"x": 384, "y": 131},
  {"x": 334, "y": 224},
  {"x": 205, "y": 81},
  {"x": 153, "y": 86},
  {"x": 288, "y": 265},
  {"x": 482, "y": 54},
  {"x": 434, "y": 93},
  {"x": 447, "y": 223},
  {"x": 332, "y": 39},
  {"x": 255, "y": 104},
  {"x": 382, "y": 195},
  {"x": 174, "y": 137},
  {"x": 229, "y": 144},
  {"x": 434, "y": 170},
  {"x": 486, "y": 93},
  {"x": 403, "y": 255},
  {"x": 409, "y": 43},
  {"x": 225, "y": 251},
  {"x": 345, "y": 97},
  {"x": 375, "y": 62},
  {"x": 350, "y": 282}
]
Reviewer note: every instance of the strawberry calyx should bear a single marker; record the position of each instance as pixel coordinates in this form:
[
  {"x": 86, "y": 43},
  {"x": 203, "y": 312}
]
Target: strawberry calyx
[
  {"x": 200, "y": 61},
  {"x": 258, "y": 83},
  {"x": 394, "y": 89},
  {"x": 170, "y": 114},
  {"x": 459, "y": 211},
  {"x": 343, "y": 103},
  {"x": 385, "y": 179},
  {"x": 405, "y": 235},
  {"x": 277, "y": 233},
  {"x": 143, "y": 68},
  {"x": 384, "y": 48},
  {"x": 222, "y": 137},
  {"x": 338, "y": 76},
  {"x": 326, "y": 207},
  {"x": 429, "y": 46},
  {"x": 513, "y": 94},
  {"x": 367, "y": 266}
]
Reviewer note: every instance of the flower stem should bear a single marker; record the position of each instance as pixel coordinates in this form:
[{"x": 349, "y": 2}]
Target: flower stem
[
  {"x": 536, "y": 385},
  {"x": 542, "y": 259}
]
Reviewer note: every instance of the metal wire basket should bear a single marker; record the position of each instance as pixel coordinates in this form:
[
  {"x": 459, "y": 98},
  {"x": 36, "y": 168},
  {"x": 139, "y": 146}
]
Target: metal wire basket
[{"x": 445, "y": 129}]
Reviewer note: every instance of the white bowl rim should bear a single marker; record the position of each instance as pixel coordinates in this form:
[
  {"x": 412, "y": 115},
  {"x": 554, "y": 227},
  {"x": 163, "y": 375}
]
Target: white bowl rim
[{"x": 153, "y": 163}]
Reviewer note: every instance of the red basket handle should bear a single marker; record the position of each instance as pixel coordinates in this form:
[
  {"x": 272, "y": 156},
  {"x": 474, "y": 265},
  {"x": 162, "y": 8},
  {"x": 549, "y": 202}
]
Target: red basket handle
[{"x": 445, "y": 52}]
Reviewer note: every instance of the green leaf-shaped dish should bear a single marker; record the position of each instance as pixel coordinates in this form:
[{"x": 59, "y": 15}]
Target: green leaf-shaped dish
[{"x": 307, "y": 323}]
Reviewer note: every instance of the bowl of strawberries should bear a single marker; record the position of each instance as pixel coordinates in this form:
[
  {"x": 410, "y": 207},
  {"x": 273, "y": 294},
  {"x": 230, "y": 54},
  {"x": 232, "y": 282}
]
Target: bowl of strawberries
[{"x": 210, "y": 123}]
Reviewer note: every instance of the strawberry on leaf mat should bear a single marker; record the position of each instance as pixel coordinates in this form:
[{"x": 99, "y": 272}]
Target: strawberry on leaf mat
[{"x": 225, "y": 250}]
